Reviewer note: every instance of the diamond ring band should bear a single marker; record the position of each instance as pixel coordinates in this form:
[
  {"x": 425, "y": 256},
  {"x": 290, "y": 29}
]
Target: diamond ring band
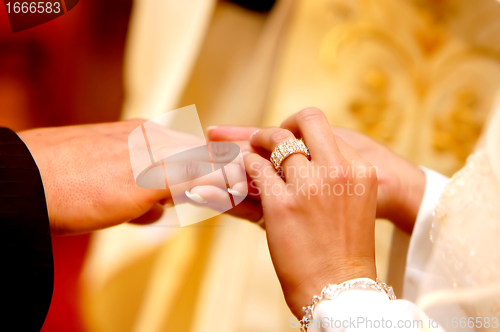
[{"x": 286, "y": 149}]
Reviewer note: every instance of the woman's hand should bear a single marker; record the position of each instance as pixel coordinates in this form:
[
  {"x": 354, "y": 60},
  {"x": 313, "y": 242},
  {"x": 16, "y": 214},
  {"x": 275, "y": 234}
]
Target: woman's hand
[
  {"x": 401, "y": 184},
  {"x": 320, "y": 216}
]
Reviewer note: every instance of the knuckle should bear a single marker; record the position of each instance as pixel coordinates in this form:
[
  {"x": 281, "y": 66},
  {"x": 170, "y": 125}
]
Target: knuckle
[
  {"x": 220, "y": 149},
  {"x": 373, "y": 172},
  {"x": 281, "y": 135},
  {"x": 345, "y": 170},
  {"x": 365, "y": 171},
  {"x": 310, "y": 114},
  {"x": 191, "y": 170}
]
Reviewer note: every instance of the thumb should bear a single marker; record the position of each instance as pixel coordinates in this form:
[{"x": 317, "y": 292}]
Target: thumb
[{"x": 150, "y": 216}]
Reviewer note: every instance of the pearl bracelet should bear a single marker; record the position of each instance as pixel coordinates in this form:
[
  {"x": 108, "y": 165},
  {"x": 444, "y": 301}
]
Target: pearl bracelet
[{"x": 331, "y": 292}]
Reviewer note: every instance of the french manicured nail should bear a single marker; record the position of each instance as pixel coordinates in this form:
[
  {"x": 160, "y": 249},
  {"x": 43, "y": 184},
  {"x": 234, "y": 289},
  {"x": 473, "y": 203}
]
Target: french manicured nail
[
  {"x": 195, "y": 197},
  {"x": 245, "y": 153},
  {"x": 254, "y": 134},
  {"x": 234, "y": 192}
]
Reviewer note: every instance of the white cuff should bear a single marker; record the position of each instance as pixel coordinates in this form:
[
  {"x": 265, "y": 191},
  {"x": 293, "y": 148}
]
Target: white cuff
[
  {"x": 364, "y": 310},
  {"x": 420, "y": 244},
  {"x": 347, "y": 306}
]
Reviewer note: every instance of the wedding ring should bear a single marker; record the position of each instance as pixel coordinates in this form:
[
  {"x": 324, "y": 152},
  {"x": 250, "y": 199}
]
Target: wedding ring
[{"x": 286, "y": 149}]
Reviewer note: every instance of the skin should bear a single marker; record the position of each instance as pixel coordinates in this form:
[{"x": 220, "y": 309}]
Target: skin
[
  {"x": 338, "y": 243},
  {"x": 89, "y": 185},
  {"x": 88, "y": 179},
  {"x": 315, "y": 239},
  {"x": 401, "y": 184}
]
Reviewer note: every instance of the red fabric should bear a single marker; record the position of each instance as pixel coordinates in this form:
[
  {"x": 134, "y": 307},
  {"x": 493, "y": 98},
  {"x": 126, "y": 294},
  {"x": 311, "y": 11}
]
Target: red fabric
[{"x": 64, "y": 312}]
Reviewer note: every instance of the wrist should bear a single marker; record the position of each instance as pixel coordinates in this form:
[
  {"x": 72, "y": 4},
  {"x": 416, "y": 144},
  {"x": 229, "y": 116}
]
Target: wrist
[{"x": 301, "y": 296}]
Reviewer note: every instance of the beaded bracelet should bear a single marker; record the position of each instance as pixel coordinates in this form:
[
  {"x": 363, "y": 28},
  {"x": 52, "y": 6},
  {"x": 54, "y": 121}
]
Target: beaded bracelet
[{"x": 331, "y": 292}]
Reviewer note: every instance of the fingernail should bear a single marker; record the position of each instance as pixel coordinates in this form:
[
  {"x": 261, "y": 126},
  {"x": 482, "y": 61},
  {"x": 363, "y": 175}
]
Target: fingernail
[
  {"x": 245, "y": 153},
  {"x": 254, "y": 133},
  {"x": 210, "y": 128},
  {"x": 234, "y": 192},
  {"x": 195, "y": 197}
]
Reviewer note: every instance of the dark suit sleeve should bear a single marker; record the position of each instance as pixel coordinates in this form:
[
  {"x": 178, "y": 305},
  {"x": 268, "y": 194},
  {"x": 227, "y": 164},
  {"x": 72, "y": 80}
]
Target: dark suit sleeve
[{"x": 26, "y": 263}]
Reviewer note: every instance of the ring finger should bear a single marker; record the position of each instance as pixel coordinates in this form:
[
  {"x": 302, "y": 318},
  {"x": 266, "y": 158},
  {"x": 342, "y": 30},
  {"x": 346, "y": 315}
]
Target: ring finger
[{"x": 269, "y": 138}]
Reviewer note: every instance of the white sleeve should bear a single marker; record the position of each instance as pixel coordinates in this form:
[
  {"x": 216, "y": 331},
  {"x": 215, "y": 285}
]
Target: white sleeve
[
  {"x": 420, "y": 244},
  {"x": 368, "y": 310}
]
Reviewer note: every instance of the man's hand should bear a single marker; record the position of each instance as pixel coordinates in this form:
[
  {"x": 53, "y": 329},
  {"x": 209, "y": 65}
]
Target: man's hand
[
  {"x": 88, "y": 179},
  {"x": 401, "y": 184}
]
